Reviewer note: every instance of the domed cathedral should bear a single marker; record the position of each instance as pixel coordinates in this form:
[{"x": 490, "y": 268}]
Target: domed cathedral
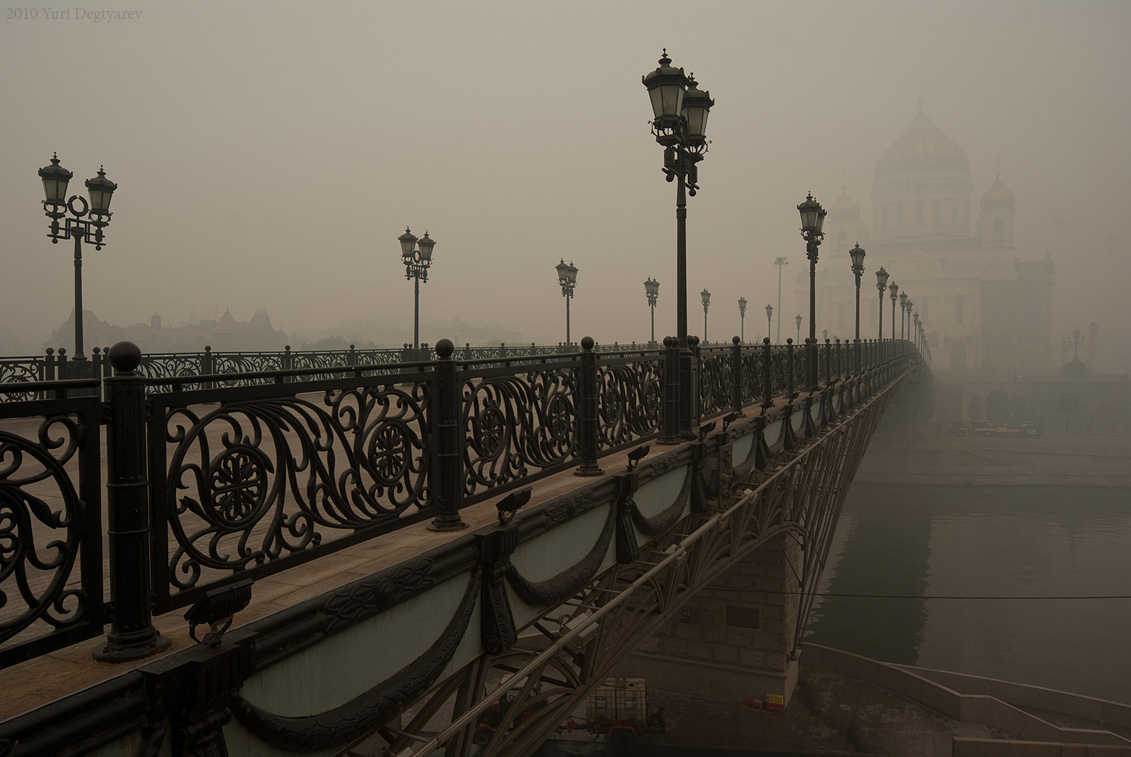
[{"x": 982, "y": 309}]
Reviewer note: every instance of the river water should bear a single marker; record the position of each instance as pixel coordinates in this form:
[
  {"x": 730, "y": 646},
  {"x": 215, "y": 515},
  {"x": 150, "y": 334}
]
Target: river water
[{"x": 909, "y": 547}]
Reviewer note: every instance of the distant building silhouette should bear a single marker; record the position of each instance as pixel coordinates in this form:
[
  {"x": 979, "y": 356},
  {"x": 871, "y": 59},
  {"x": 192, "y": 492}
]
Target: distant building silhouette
[
  {"x": 225, "y": 334},
  {"x": 983, "y": 309}
]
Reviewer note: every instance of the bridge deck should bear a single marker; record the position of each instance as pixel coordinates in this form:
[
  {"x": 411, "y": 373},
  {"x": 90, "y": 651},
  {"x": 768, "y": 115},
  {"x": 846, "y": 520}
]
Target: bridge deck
[{"x": 55, "y": 675}]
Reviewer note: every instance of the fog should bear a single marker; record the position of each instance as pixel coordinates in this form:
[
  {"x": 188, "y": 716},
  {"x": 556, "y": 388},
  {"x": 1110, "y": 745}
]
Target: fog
[{"x": 268, "y": 154}]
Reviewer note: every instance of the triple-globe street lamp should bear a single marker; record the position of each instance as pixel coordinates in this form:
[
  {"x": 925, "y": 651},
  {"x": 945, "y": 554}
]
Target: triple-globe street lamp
[
  {"x": 770, "y": 320},
  {"x": 812, "y": 220},
  {"x": 679, "y": 123},
  {"x": 857, "y": 256},
  {"x": 84, "y": 224},
  {"x": 416, "y": 254},
  {"x": 567, "y": 277},
  {"x": 652, "y": 292}
]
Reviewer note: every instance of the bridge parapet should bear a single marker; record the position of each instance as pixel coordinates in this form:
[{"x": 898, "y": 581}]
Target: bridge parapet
[{"x": 334, "y": 444}]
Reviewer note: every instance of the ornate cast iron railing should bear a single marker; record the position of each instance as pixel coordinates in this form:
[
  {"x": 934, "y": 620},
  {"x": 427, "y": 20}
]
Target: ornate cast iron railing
[
  {"x": 51, "y": 578},
  {"x": 294, "y": 463}
]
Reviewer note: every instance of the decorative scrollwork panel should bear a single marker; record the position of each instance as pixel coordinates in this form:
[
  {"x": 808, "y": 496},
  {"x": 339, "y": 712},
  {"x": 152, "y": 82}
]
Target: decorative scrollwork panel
[
  {"x": 518, "y": 425},
  {"x": 630, "y": 401},
  {"x": 255, "y": 482},
  {"x": 51, "y": 582},
  {"x": 714, "y": 383}
]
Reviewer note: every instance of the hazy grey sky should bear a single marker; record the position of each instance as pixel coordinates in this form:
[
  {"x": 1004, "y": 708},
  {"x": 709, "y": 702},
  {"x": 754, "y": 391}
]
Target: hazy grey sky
[{"x": 268, "y": 154}]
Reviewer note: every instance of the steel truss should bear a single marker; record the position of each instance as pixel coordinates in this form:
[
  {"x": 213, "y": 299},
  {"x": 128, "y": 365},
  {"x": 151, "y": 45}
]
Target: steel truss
[{"x": 573, "y": 647}]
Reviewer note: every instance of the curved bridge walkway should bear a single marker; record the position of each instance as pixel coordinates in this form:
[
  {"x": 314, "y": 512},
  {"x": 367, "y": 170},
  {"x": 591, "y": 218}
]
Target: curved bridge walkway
[{"x": 297, "y": 510}]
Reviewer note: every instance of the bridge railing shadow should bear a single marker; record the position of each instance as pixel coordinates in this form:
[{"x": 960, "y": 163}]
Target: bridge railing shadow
[{"x": 247, "y": 480}]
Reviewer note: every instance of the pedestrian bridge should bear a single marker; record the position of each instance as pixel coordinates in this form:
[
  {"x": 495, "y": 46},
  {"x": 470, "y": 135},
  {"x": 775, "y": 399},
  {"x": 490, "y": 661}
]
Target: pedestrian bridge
[{"x": 292, "y": 561}]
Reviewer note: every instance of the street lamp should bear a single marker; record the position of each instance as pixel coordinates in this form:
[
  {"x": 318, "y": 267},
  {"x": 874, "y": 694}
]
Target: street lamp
[
  {"x": 770, "y": 320},
  {"x": 86, "y": 222},
  {"x": 902, "y": 312},
  {"x": 812, "y": 219},
  {"x": 706, "y": 304},
  {"x": 567, "y": 277},
  {"x": 679, "y": 123},
  {"x": 881, "y": 284},
  {"x": 742, "y": 319},
  {"x": 910, "y": 308},
  {"x": 417, "y": 258},
  {"x": 918, "y": 333},
  {"x": 894, "y": 289},
  {"x": 798, "y": 320},
  {"x": 857, "y": 256},
  {"x": 779, "y": 262},
  {"x": 652, "y": 292}
]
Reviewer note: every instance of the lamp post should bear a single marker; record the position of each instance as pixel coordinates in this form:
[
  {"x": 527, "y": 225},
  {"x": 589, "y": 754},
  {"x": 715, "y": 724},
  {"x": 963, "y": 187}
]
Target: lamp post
[
  {"x": 857, "y": 256},
  {"x": 779, "y": 262},
  {"x": 918, "y": 333},
  {"x": 706, "y": 296},
  {"x": 742, "y": 319},
  {"x": 652, "y": 292},
  {"x": 894, "y": 289},
  {"x": 910, "y": 309},
  {"x": 798, "y": 320},
  {"x": 770, "y": 320},
  {"x": 902, "y": 312},
  {"x": 85, "y": 223},
  {"x": 812, "y": 219},
  {"x": 567, "y": 277},
  {"x": 417, "y": 258},
  {"x": 882, "y": 285},
  {"x": 679, "y": 123}
]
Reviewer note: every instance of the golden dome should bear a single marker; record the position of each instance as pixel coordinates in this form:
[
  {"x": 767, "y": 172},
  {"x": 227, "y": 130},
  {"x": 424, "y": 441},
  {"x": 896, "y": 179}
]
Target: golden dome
[
  {"x": 922, "y": 147},
  {"x": 998, "y": 196}
]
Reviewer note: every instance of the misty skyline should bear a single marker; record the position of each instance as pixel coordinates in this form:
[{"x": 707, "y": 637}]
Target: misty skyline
[{"x": 268, "y": 155}]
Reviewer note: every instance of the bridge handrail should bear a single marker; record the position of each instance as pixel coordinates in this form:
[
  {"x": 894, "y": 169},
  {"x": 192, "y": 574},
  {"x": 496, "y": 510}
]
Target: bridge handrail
[{"x": 252, "y": 479}]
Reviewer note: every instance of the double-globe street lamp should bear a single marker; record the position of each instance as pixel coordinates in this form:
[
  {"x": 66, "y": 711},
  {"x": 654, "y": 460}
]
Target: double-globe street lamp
[
  {"x": 652, "y": 292},
  {"x": 85, "y": 223},
  {"x": 679, "y": 123},
  {"x": 416, "y": 254},
  {"x": 742, "y": 319},
  {"x": 567, "y": 277},
  {"x": 857, "y": 256},
  {"x": 770, "y": 320},
  {"x": 812, "y": 220},
  {"x": 882, "y": 285}
]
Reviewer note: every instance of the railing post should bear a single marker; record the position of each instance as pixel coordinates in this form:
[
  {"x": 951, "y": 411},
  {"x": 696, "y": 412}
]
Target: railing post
[
  {"x": 131, "y": 634},
  {"x": 62, "y": 367},
  {"x": 351, "y": 356},
  {"x": 828, "y": 360},
  {"x": 789, "y": 362},
  {"x": 691, "y": 393},
  {"x": 49, "y": 373},
  {"x": 288, "y": 358},
  {"x": 767, "y": 375},
  {"x": 589, "y": 417},
  {"x": 669, "y": 433},
  {"x": 736, "y": 375},
  {"x": 446, "y": 476},
  {"x": 207, "y": 366}
]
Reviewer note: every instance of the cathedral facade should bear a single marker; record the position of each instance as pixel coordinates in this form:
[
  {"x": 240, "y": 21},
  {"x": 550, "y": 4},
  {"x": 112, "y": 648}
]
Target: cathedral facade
[{"x": 985, "y": 310}]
